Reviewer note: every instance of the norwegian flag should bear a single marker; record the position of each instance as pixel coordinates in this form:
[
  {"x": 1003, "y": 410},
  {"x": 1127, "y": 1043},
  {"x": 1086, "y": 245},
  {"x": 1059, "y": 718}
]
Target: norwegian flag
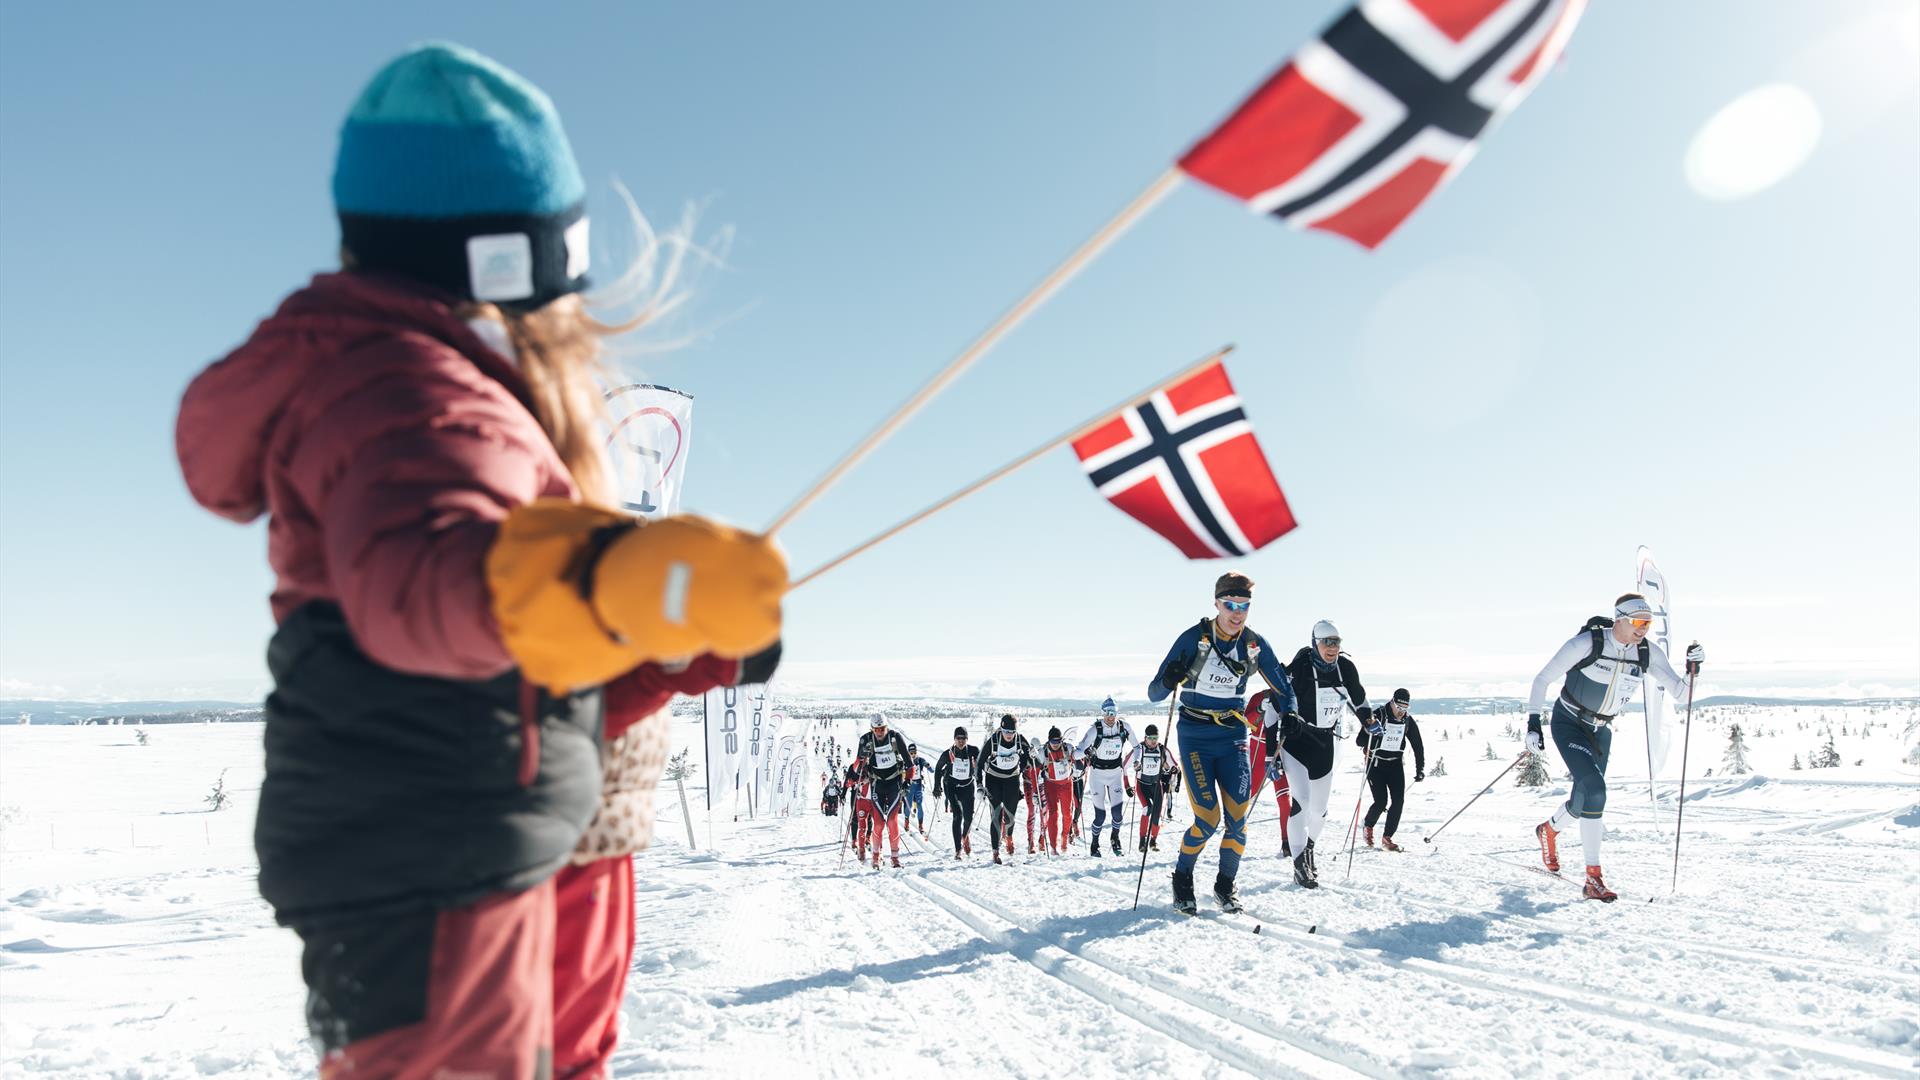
[
  {"x": 1366, "y": 122},
  {"x": 1186, "y": 464}
]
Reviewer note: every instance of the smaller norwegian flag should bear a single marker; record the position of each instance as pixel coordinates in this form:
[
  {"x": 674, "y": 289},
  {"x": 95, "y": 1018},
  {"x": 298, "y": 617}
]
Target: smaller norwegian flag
[
  {"x": 1186, "y": 464},
  {"x": 1355, "y": 131}
]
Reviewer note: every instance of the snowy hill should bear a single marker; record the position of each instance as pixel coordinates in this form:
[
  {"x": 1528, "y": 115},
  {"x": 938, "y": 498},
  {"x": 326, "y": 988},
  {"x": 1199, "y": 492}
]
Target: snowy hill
[{"x": 133, "y": 944}]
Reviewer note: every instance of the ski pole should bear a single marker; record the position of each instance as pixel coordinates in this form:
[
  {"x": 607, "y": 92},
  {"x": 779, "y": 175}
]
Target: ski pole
[
  {"x": 1154, "y": 816},
  {"x": 1680, "y": 812},
  {"x": 1503, "y": 772},
  {"x": 1366, "y": 782}
]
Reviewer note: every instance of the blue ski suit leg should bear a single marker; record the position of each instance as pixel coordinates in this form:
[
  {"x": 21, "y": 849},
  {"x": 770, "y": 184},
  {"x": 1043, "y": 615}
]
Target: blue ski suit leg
[
  {"x": 1219, "y": 788},
  {"x": 1584, "y": 750}
]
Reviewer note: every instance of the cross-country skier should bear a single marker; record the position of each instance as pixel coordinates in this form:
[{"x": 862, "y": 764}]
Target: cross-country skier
[
  {"x": 1257, "y": 767},
  {"x": 917, "y": 769},
  {"x": 1034, "y": 796},
  {"x": 1209, "y": 666},
  {"x": 860, "y": 790},
  {"x": 1103, "y": 748},
  {"x": 883, "y": 759},
  {"x": 1325, "y": 681},
  {"x": 1601, "y": 667},
  {"x": 1151, "y": 769},
  {"x": 954, "y": 777},
  {"x": 1390, "y": 731},
  {"x": 1056, "y": 774},
  {"x": 830, "y": 796},
  {"x": 1003, "y": 762}
]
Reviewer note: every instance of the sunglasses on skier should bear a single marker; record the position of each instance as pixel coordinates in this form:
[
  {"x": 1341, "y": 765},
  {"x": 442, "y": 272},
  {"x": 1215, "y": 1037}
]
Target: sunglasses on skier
[
  {"x": 1333, "y": 641},
  {"x": 1640, "y": 624},
  {"x": 1235, "y": 605}
]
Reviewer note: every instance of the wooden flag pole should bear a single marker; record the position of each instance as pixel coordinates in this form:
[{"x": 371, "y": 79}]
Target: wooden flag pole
[
  {"x": 1061, "y": 274},
  {"x": 1019, "y": 463}
]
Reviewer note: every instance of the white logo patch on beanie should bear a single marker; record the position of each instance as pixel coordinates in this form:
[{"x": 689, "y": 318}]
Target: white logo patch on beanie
[{"x": 500, "y": 267}]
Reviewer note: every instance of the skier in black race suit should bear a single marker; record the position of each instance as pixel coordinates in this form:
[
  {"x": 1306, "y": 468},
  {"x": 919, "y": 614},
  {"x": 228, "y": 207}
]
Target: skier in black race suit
[
  {"x": 955, "y": 777},
  {"x": 1391, "y": 731}
]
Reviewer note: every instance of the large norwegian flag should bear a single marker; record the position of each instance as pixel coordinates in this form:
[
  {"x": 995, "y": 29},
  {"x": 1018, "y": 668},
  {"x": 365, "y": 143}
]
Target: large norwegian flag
[
  {"x": 1354, "y": 132},
  {"x": 1186, "y": 464}
]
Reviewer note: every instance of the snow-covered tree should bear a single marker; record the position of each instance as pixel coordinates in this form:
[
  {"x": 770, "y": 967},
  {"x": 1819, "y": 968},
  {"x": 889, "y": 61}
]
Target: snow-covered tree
[
  {"x": 1796, "y": 763},
  {"x": 217, "y": 799},
  {"x": 1735, "y": 759},
  {"x": 1533, "y": 773},
  {"x": 1489, "y": 755},
  {"x": 1828, "y": 757}
]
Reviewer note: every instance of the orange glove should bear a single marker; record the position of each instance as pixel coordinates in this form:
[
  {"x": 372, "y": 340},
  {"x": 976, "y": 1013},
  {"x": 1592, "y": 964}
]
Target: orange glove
[{"x": 583, "y": 594}]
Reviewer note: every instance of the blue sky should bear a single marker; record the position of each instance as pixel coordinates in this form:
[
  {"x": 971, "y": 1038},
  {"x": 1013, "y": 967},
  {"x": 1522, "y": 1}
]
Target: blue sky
[{"x": 1569, "y": 352}]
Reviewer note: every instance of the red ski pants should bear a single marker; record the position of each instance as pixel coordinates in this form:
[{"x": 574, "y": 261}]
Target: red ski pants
[
  {"x": 1059, "y": 812},
  {"x": 1257, "y": 759},
  {"x": 516, "y": 986}
]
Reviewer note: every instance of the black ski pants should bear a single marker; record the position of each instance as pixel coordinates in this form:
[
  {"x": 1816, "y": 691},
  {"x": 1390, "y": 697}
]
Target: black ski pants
[
  {"x": 1003, "y": 798},
  {"x": 1388, "y": 779},
  {"x": 960, "y": 799}
]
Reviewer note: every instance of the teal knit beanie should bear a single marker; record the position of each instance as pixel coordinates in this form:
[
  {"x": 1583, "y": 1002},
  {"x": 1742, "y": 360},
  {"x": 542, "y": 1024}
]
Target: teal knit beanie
[{"x": 455, "y": 171}]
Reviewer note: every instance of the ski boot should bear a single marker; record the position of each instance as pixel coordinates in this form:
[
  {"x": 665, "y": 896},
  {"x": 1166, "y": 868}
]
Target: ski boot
[
  {"x": 1009, "y": 847},
  {"x": 1549, "y": 846},
  {"x": 1094, "y": 848},
  {"x": 1030, "y": 850},
  {"x": 996, "y": 856},
  {"x": 967, "y": 843},
  {"x": 1183, "y": 893},
  {"x": 1153, "y": 843},
  {"x": 876, "y": 858},
  {"x": 1596, "y": 889},
  {"x": 1387, "y": 842},
  {"x": 1303, "y": 871},
  {"x": 956, "y": 854},
  {"x": 896, "y": 862},
  {"x": 1115, "y": 842},
  {"x": 1229, "y": 899},
  {"x": 1286, "y": 849},
  {"x": 1369, "y": 829}
]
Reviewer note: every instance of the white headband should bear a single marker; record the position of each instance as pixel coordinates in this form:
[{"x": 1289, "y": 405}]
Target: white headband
[{"x": 1631, "y": 607}]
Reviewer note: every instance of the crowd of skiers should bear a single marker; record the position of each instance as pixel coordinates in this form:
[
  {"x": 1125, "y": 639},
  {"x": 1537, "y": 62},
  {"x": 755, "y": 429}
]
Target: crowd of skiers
[{"x": 1287, "y": 734}]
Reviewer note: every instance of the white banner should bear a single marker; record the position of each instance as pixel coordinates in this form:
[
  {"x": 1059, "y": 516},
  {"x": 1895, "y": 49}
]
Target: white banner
[
  {"x": 1653, "y": 700},
  {"x": 647, "y": 444},
  {"x": 724, "y": 721},
  {"x": 753, "y": 705}
]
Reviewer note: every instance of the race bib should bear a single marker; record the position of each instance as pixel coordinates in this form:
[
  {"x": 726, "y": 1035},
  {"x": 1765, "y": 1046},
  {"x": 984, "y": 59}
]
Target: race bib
[
  {"x": 962, "y": 769},
  {"x": 1060, "y": 769},
  {"x": 1150, "y": 763},
  {"x": 1004, "y": 759},
  {"x": 1330, "y": 707},
  {"x": 1216, "y": 678},
  {"x": 1393, "y": 738},
  {"x": 884, "y": 757}
]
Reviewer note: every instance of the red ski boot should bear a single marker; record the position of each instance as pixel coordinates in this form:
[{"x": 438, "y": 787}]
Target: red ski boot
[
  {"x": 1387, "y": 842},
  {"x": 876, "y": 858},
  {"x": 1597, "y": 889},
  {"x": 1369, "y": 829},
  {"x": 1549, "y": 845},
  {"x": 896, "y": 862},
  {"x": 966, "y": 842}
]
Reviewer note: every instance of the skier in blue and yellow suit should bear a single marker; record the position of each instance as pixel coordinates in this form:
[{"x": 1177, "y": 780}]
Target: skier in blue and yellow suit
[{"x": 1210, "y": 664}]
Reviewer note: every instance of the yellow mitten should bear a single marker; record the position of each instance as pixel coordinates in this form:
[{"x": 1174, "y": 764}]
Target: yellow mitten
[
  {"x": 684, "y": 586},
  {"x": 582, "y": 594}
]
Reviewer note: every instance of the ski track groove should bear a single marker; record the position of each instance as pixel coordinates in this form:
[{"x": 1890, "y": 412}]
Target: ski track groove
[
  {"x": 1731, "y": 952},
  {"x": 1064, "y": 970},
  {"x": 1718, "y": 1029}
]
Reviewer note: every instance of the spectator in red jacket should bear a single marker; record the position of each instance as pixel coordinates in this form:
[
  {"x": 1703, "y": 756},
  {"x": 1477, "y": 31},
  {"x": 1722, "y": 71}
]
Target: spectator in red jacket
[{"x": 462, "y": 740}]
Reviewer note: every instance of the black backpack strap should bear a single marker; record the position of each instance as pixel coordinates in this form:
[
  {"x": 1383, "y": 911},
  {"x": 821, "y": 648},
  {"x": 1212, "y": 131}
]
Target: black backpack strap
[{"x": 1594, "y": 650}]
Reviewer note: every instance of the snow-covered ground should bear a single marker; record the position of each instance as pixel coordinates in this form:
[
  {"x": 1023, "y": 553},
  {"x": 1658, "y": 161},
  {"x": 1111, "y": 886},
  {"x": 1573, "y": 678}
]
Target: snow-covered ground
[{"x": 132, "y": 943}]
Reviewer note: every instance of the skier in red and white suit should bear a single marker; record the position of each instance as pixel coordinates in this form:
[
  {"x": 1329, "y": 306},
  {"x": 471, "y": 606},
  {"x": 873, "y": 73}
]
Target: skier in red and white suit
[
  {"x": 1257, "y": 759},
  {"x": 1056, "y": 775}
]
